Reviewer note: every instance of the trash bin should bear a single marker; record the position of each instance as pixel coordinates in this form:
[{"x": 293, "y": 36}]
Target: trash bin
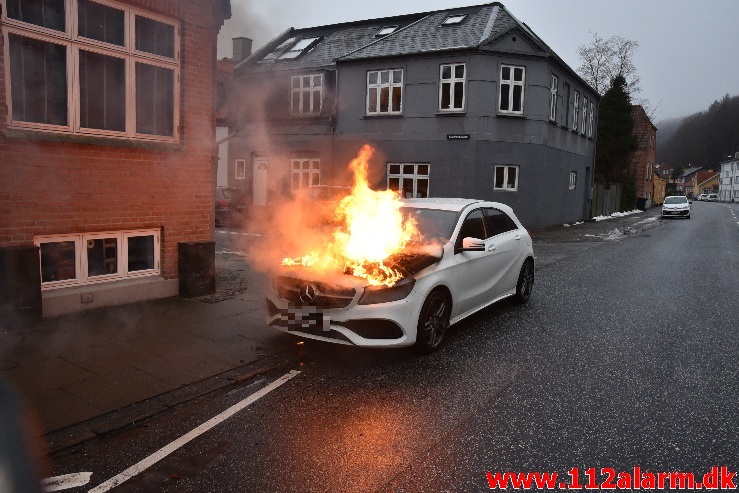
[
  {"x": 641, "y": 204},
  {"x": 197, "y": 268},
  {"x": 20, "y": 287}
]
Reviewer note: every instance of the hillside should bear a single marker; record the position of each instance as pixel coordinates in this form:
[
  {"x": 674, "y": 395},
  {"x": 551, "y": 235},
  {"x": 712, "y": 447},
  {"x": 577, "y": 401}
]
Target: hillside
[{"x": 703, "y": 139}]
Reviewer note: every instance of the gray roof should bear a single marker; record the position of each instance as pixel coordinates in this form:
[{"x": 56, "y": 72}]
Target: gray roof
[{"x": 416, "y": 34}]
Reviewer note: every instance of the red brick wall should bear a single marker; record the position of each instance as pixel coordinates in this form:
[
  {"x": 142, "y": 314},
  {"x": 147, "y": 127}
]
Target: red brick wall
[
  {"x": 64, "y": 187},
  {"x": 646, "y": 152}
]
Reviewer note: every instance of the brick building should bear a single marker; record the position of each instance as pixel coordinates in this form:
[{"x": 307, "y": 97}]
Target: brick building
[
  {"x": 645, "y": 157},
  {"x": 107, "y": 134}
]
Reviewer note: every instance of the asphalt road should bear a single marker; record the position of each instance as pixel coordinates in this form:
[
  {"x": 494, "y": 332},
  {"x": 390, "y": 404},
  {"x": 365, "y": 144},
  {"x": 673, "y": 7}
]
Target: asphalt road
[{"x": 626, "y": 356}]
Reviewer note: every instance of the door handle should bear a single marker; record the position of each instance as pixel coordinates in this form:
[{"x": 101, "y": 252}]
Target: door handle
[
  {"x": 517, "y": 237},
  {"x": 491, "y": 248}
]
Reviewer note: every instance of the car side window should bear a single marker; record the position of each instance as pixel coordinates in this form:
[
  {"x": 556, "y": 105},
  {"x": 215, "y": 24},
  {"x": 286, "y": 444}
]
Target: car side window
[
  {"x": 472, "y": 227},
  {"x": 497, "y": 222}
]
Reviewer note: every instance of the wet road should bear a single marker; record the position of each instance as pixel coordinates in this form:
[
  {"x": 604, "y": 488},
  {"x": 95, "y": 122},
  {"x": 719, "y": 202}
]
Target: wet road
[{"x": 626, "y": 356}]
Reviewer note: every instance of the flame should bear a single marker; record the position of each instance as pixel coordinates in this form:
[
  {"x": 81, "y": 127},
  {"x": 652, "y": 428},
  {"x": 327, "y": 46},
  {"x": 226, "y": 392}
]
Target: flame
[{"x": 372, "y": 229}]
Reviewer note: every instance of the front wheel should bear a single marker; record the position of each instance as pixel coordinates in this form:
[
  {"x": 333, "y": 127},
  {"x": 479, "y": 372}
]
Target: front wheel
[
  {"x": 433, "y": 322},
  {"x": 525, "y": 282}
]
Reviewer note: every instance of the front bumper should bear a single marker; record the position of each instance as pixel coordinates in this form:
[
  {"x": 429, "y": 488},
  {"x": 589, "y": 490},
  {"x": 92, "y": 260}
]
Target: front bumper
[
  {"x": 381, "y": 325},
  {"x": 675, "y": 213}
]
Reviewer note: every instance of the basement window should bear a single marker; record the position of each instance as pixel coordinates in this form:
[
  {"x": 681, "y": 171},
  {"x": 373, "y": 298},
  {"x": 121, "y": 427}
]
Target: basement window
[{"x": 72, "y": 260}]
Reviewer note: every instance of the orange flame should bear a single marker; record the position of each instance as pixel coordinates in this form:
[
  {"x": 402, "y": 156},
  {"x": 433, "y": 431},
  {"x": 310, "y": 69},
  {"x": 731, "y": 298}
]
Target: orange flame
[{"x": 372, "y": 230}]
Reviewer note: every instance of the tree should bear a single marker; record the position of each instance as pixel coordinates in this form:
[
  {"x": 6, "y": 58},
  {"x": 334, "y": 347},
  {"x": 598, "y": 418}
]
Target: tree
[
  {"x": 603, "y": 60},
  {"x": 616, "y": 142}
]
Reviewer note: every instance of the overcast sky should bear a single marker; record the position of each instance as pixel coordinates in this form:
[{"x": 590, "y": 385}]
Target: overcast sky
[{"x": 687, "y": 56}]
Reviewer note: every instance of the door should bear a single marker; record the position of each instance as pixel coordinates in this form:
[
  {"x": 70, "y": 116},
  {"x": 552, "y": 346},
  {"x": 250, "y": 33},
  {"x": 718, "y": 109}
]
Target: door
[
  {"x": 259, "y": 187},
  {"x": 504, "y": 244},
  {"x": 474, "y": 267}
]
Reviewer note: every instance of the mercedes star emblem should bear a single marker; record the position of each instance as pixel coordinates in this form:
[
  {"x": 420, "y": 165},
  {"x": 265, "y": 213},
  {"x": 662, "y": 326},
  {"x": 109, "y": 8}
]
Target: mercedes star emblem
[{"x": 307, "y": 293}]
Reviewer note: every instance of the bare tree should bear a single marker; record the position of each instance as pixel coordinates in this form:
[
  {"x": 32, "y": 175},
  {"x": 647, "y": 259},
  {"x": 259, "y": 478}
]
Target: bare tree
[{"x": 602, "y": 60}]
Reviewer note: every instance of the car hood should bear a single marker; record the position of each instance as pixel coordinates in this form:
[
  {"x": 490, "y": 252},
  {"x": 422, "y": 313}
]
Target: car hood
[{"x": 410, "y": 262}]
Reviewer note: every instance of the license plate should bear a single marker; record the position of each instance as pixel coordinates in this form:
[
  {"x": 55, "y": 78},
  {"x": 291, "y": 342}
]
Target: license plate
[{"x": 301, "y": 318}]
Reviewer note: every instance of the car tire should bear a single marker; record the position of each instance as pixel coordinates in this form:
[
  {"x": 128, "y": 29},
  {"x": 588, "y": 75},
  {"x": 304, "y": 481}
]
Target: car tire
[
  {"x": 525, "y": 283},
  {"x": 433, "y": 322},
  {"x": 688, "y": 216}
]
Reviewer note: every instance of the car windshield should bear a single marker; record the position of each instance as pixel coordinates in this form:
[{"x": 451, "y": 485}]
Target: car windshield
[
  {"x": 676, "y": 200},
  {"x": 232, "y": 194},
  {"x": 435, "y": 225}
]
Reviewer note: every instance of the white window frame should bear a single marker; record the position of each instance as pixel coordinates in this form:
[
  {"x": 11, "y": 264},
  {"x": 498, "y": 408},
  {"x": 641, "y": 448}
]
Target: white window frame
[
  {"x": 584, "y": 115},
  {"x": 240, "y": 169},
  {"x": 591, "y": 119},
  {"x": 74, "y": 43},
  {"x": 573, "y": 180},
  {"x": 307, "y": 168},
  {"x": 379, "y": 86},
  {"x": 576, "y": 111},
  {"x": 512, "y": 83},
  {"x": 507, "y": 168},
  {"x": 302, "y": 91},
  {"x": 553, "y": 99},
  {"x": 82, "y": 276},
  {"x": 403, "y": 175},
  {"x": 451, "y": 84}
]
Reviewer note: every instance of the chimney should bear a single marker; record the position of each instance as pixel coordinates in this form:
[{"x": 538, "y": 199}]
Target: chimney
[{"x": 241, "y": 48}]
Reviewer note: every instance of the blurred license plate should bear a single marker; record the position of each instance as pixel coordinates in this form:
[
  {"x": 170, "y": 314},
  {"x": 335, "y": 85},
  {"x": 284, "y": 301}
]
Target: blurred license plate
[{"x": 300, "y": 318}]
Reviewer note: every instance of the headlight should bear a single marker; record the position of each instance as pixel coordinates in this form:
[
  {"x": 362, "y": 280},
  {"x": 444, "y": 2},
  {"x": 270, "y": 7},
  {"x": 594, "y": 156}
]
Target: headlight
[{"x": 382, "y": 294}]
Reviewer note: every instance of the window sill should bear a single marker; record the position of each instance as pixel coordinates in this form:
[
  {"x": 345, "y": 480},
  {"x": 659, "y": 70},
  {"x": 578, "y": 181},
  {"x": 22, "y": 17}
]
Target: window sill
[
  {"x": 451, "y": 113},
  {"x": 382, "y": 117},
  {"x": 511, "y": 115},
  {"x": 24, "y": 133}
]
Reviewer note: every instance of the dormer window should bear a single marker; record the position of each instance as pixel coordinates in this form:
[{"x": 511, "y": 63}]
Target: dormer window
[
  {"x": 453, "y": 19},
  {"x": 386, "y": 30},
  {"x": 298, "y": 48}
]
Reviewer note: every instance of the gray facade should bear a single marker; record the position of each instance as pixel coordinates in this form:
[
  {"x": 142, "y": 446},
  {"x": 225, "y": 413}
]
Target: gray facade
[{"x": 437, "y": 141}]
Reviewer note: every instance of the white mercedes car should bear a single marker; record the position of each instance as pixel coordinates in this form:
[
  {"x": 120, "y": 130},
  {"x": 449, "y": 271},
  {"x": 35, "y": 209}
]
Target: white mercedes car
[{"x": 473, "y": 254}]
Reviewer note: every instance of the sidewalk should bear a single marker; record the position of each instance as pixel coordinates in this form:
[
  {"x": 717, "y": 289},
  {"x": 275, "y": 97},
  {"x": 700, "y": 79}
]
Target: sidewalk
[{"x": 90, "y": 374}]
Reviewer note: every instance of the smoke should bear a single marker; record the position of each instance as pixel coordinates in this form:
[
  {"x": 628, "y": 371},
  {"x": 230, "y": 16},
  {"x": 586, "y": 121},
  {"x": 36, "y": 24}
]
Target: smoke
[{"x": 255, "y": 19}]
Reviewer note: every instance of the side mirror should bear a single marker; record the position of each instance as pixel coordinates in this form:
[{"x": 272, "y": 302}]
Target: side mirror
[{"x": 473, "y": 245}]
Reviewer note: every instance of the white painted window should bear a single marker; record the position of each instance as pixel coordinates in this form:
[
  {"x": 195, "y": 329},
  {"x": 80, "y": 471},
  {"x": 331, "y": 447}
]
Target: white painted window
[
  {"x": 385, "y": 92},
  {"x": 584, "y": 115},
  {"x": 453, "y": 19},
  {"x": 386, "y": 30},
  {"x": 298, "y": 48},
  {"x": 88, "y": 258},
  {"x": 93, "y": 67},
  {"x": 591, "y": 119},
  {"x": 573, "y": 180},
  {"x": 306, "y": 96},
  {"x": 553, "y": 99},
  {"x": 410, "y": 180},
  {"x": 306, "y": 172},
  {"x": 576, "y": 111},
  {"x": 511, "y": 96},
  {"x": 648, "y": 172},
  {"x": 240, "y": 169},
  {"x": 451, "y": 89},
  {"x": 506, "y": 178}
]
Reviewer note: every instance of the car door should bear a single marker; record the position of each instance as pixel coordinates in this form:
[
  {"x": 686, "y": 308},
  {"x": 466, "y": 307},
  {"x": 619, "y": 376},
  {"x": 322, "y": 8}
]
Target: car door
[
  {"x": 474, "y": 268},
  {"x": 507, "y": 250}
]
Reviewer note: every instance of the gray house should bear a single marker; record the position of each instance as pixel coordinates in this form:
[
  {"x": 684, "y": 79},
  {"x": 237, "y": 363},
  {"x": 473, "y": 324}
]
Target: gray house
[{"x": 465, "y": 102}]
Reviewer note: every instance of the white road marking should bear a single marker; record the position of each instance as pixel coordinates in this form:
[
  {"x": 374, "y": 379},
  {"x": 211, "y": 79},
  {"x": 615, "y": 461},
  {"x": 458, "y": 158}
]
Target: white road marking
[
  {"x": 65, "y": 482},
  {"x": 168, "y": 449},
  {"x": 229, "y": 252}
]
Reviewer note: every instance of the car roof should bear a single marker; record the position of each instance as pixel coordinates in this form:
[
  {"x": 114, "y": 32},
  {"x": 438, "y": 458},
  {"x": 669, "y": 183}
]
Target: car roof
[{"x": 447, "y": 204}]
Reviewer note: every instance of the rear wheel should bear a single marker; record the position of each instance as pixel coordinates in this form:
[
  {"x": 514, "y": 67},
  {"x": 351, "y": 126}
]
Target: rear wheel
[
  {"x": 433, "y": 322},
  {"x": 525, "y": 282}
]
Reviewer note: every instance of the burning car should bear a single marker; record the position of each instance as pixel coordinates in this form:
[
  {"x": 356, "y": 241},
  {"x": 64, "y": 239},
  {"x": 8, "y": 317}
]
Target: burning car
[{"x": 398, "y": 272}]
